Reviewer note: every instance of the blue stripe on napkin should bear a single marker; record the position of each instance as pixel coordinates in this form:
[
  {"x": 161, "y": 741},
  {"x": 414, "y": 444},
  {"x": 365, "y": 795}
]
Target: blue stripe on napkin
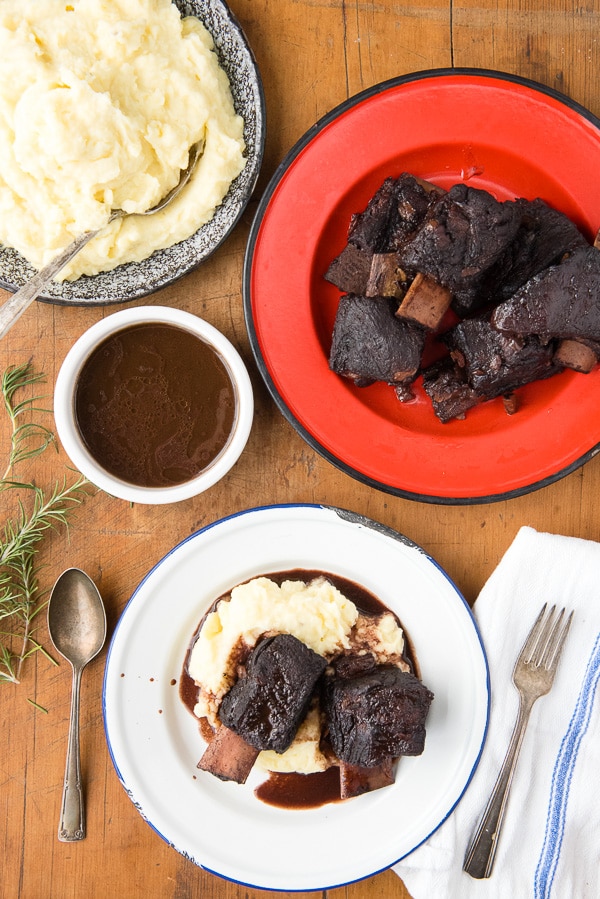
[{"x": 562, "y": 776}]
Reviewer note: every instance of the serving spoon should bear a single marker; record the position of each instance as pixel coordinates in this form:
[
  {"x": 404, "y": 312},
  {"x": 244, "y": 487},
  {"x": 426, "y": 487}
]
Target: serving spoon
[
  {"x": 16, "y": 305},
  {"x": 77, "y": 626}
]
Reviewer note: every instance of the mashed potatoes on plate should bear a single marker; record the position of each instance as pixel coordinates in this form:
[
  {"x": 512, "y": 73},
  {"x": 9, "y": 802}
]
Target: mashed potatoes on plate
[
  {"x": 319, "y": 615},
  {"x": 100, "y": 101}
]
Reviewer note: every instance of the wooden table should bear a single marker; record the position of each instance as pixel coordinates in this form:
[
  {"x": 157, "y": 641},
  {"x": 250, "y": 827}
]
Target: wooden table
[{"x": 312, "y": 54}]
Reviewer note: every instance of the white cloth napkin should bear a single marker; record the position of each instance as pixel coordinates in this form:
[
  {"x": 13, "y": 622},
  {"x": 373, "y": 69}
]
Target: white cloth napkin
[{"x": 550, "y": 842}]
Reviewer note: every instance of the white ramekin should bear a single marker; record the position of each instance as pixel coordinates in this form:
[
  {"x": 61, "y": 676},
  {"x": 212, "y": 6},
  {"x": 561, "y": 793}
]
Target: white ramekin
[{"x": 64, "y": 405}]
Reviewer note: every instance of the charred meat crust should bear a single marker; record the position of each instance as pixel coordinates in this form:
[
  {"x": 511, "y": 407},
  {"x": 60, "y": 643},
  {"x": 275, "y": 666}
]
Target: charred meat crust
[
  {"x": 484, "y": 364},
  {"x": 466, "y": 232},
  {"x": 376, "y": 716},
  {"x": 266, "y": 706},
  {"x": 373, "y": 713},
  {"x": 521, "y": 275},
  {"x": 544, "y": 237},
  {"x": 371, "y": 344},
  {"x": 445, "y": 383},
  {"x": 562, "y": 301},
  {"x": 391, "y": 216},
  {"x": 496, "y": 363}
]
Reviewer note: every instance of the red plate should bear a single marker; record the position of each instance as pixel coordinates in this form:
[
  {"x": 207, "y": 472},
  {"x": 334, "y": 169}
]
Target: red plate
[{"x": 498, "y": 132}]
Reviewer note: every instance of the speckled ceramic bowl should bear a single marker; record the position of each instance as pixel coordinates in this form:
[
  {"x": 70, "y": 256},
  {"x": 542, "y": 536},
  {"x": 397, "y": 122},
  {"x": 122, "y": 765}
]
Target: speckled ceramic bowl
[{"x": 137, "y": 279}]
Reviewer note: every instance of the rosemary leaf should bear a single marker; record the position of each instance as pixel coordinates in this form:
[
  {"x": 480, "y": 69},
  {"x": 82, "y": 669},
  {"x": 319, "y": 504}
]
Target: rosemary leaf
[
  {"x": 38, "y": 513},
  {"x": 28, "y": 438}
]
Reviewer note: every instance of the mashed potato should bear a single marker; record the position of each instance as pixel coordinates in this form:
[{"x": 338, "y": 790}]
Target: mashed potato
[
  {"x": 316, "y": 613},
  {"x": 100, "y": 101}
]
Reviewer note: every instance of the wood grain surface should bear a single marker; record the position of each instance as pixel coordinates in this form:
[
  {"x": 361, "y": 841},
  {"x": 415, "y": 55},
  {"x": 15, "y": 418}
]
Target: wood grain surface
[{"x": 312, "y": 55}]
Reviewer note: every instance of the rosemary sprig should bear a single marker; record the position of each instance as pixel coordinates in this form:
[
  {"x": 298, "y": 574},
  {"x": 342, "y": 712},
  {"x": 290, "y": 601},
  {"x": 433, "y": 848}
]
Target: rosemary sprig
[
  {"x": 21, "y": 535},
  {"x": 27, "y": 438}
]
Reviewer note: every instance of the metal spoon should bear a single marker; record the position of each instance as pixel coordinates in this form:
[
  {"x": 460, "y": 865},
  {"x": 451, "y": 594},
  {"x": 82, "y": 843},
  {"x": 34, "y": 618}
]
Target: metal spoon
[
  {"x": 77, "y": 625},
  {"x": 16, "y": 305}
]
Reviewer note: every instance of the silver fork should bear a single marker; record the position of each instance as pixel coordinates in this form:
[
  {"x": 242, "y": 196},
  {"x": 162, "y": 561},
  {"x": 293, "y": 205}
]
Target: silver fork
[{"x": 533, "y": 676}]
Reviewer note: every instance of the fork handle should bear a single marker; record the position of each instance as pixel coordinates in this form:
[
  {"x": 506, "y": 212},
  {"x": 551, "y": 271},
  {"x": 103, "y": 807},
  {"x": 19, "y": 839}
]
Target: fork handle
[{"x": 481, "y": 853}]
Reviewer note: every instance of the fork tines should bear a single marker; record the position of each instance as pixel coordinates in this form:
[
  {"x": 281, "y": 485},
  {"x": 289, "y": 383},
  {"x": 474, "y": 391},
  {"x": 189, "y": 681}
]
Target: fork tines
[{"x": 546, "y": 639}]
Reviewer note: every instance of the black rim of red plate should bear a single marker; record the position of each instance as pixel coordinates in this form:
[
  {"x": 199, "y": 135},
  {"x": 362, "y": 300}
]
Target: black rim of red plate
[{"x": 438, "y": 496}]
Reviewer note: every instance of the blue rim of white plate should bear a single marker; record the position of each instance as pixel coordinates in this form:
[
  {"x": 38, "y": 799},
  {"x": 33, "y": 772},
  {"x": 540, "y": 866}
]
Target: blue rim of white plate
[{"x": 354, "y": 519}]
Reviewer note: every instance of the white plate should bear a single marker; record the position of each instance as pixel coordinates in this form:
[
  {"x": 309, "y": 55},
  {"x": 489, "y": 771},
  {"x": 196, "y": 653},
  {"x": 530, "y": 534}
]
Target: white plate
[{"x": 155, "y": 743}]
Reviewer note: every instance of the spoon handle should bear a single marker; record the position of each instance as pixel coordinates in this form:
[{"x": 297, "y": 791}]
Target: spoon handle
[
  {"x": 71, "y": 826},
  {"x": 16, "y": 305}
]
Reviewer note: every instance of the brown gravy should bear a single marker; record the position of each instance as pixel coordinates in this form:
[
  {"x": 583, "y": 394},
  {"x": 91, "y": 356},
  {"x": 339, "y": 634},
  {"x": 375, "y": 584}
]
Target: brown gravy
[
  {"x": 297, "y": 791},
  {"x": 154, "y": 405}
]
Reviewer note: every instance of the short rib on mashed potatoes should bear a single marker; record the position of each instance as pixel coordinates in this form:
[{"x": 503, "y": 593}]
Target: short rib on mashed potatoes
[{"x": 355, "y": 705}]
